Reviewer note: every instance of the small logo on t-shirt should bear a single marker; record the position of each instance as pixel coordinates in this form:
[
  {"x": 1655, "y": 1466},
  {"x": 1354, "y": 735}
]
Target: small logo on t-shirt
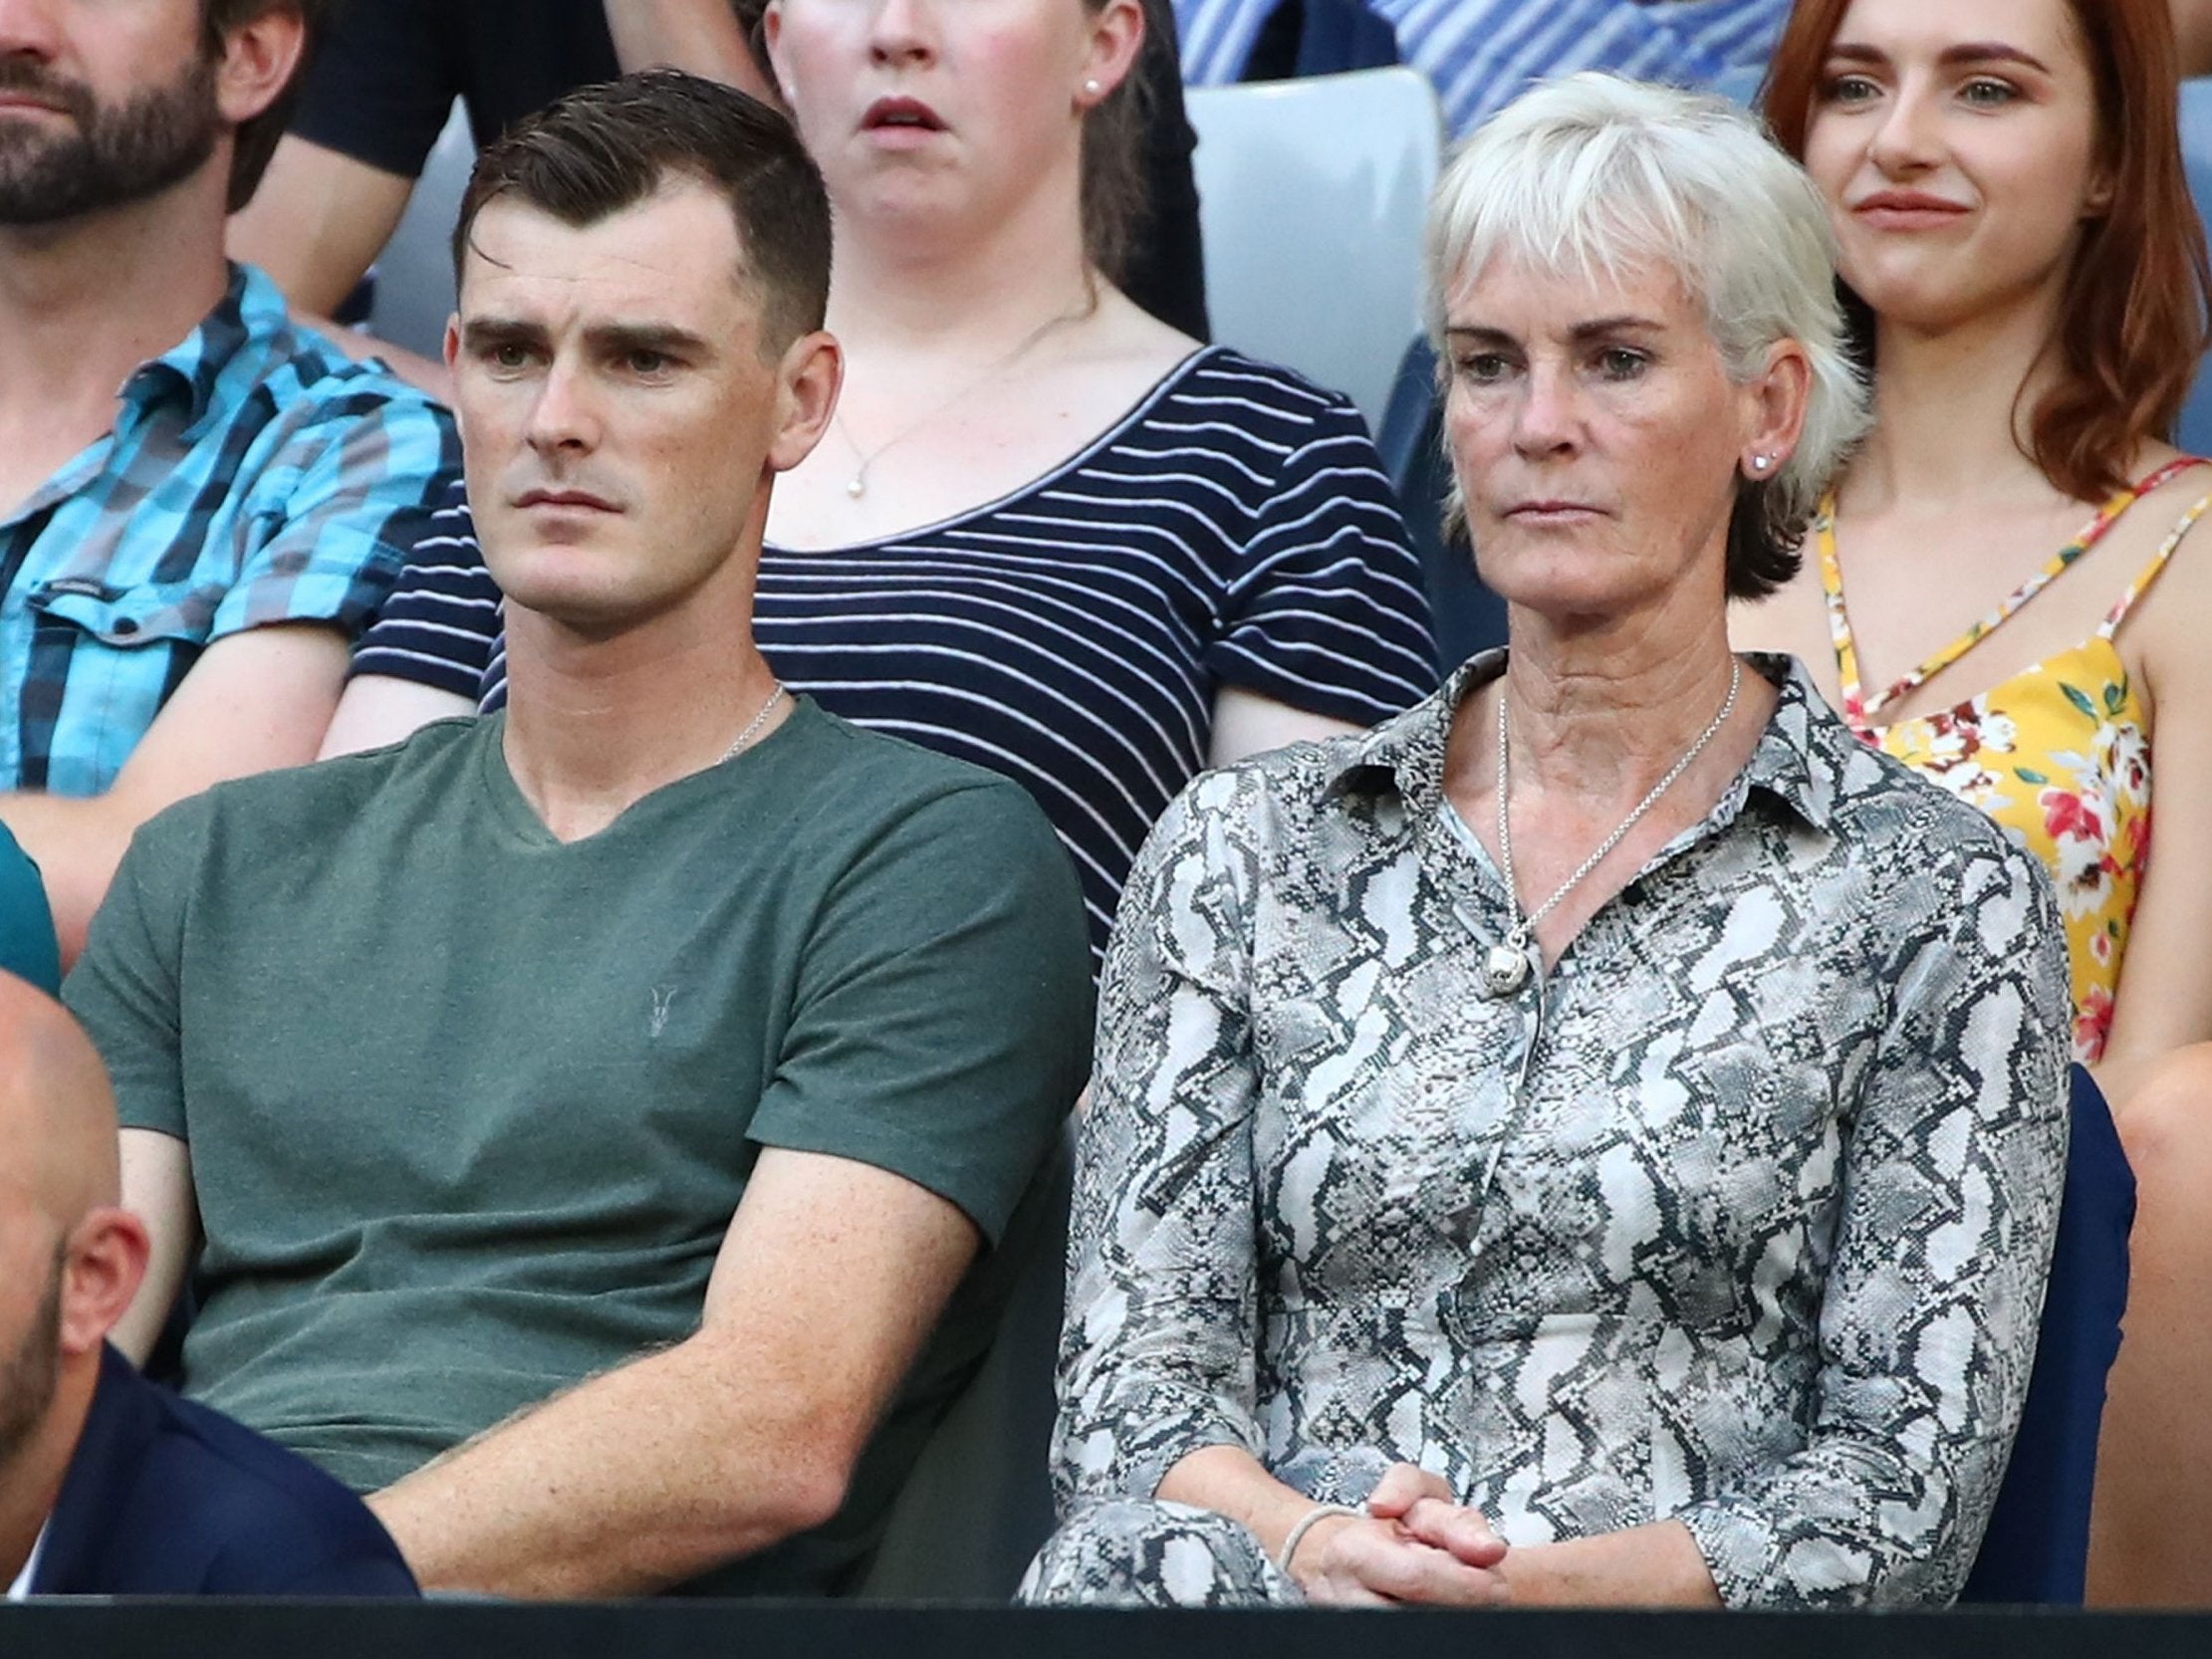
[{"x": 662, "y": 996}]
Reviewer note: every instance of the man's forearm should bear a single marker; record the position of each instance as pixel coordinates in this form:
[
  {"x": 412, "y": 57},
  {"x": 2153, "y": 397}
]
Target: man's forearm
[
  {"x": 638, "y": 1478},
  {"x": 76, "y": 844},
  {"x": 700, "y": 35}
]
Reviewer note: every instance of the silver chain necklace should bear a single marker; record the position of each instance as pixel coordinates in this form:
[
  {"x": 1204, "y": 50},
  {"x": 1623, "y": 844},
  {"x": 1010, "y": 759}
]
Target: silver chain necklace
[
  {"x": 753, "y": 725},
  {"x": 1506, "y": 969},
  {"x": 856, "y": 485}
]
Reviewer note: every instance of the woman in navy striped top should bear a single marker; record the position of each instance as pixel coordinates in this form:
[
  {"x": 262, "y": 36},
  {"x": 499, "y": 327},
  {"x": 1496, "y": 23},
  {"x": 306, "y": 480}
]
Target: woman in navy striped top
[{"x": 1048, "y": 533}]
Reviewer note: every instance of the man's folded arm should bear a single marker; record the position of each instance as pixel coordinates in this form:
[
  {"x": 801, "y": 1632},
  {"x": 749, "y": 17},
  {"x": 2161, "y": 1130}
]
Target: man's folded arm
[
  {"x": 254, "y": 700},
  {"x": 829, "y": 1280}
]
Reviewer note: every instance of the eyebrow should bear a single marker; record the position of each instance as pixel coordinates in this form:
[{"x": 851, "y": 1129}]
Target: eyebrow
[
  {"x": 1597, "y": 329},
  {"x": 1966, "y": 52},
  {"x": 608, "y": 339}
]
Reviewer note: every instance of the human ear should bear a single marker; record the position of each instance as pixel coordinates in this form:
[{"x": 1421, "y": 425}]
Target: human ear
[
  {"x": 258, "y": 58},
  {"x": 1778, "y": 397},
  {"x": 807, "y": 378},
  {"x": 772, "y": 35},
  {"x": 101, "y": 1267},
  {"x": 1116, "y": 36}
]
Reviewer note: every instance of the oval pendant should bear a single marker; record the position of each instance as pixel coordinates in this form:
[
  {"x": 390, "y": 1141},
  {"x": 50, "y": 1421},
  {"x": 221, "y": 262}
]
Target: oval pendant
[
  {"x": 856, "y": 486},
  {"x": 1505, "y": 970}
]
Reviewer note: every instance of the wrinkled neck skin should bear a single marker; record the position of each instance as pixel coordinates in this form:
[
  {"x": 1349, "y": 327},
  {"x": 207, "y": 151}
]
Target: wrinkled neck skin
[{"x": 1597, "y": 709}]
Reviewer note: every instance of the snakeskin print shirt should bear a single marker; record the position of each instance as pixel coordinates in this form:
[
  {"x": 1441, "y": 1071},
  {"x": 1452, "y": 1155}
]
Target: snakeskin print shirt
[{"x": 1740, "y": 1214}]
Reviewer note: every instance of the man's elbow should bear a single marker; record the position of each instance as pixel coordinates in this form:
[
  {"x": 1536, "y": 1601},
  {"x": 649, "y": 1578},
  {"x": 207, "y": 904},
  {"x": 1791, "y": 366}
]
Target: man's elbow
[{"x": 796, "y": 1478}]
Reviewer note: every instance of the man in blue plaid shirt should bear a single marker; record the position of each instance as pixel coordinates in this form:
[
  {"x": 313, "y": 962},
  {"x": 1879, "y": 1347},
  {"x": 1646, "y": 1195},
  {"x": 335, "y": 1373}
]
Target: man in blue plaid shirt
[{"x": 199, "y": 505}]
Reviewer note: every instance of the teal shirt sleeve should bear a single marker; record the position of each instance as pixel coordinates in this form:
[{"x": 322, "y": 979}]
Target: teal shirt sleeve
[
  {"x": 27, "y": 946},
  {"x": 942, "y": 1022}
]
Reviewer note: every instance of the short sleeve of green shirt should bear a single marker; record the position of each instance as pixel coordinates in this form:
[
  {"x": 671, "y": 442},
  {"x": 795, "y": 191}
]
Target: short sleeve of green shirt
[
  {"x": 26, "y": 947},
  {"x": 124, "y": 985},
  {"x": 940, "y": 958}
]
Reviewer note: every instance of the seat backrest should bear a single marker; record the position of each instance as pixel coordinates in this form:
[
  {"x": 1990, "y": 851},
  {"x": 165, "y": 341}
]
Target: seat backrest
[
  {"x": 2036, "y": 1549},
  {"x": 414, "y": 272},
  {"x": 1310, "y": 197},
  {"x": 978, "y": 1503}
]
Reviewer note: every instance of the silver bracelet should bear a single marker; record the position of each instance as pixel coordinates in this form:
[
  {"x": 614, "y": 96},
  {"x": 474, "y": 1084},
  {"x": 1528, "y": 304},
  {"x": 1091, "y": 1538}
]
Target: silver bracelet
[{"x": 1297, "y": 1535}]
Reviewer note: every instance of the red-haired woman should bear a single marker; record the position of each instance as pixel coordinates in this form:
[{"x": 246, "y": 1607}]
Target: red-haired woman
[{"x": 2025, "y": 606}]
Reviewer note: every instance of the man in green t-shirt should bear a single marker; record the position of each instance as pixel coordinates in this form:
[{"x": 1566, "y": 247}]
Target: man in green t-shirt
[{"x": 598, "y": 1117}]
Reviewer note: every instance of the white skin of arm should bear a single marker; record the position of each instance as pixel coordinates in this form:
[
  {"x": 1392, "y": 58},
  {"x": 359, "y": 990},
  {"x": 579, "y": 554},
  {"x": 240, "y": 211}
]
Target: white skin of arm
[
  {"x": 253, "y": 701},
  {"x": 830, "y": 1278},
  {"x": 316, "y": 224},
  {"x": 158, "y": 1187}
]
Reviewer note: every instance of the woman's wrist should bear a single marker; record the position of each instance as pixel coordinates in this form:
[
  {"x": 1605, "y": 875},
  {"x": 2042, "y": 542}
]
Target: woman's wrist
[{"x": 1306, "y": 1524}]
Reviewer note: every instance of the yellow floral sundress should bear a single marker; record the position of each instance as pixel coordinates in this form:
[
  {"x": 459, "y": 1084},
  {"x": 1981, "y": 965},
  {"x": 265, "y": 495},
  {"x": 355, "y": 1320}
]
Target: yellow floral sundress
[{"x": 2057, "y": 754}]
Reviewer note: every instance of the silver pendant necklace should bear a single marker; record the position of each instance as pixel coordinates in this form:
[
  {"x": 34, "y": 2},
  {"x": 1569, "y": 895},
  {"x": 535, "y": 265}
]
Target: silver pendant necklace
[{"x": 1507, "y": 966}]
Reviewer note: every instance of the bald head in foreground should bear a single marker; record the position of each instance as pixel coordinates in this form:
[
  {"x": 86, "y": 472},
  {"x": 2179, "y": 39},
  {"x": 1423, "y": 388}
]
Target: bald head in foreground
[{"x": 109, "y": 1485}]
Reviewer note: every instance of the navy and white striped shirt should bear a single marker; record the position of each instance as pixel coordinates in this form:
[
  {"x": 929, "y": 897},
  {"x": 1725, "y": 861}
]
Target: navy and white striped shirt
[
  {"x": 1483, "y": 54},
  {"x": 1234, "y": 528}
]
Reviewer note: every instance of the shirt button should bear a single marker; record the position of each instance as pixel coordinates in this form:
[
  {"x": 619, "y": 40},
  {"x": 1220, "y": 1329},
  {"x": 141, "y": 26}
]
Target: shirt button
[
  {"x": 1633, "y": 894},
  {"x": 125, "y": 626}
]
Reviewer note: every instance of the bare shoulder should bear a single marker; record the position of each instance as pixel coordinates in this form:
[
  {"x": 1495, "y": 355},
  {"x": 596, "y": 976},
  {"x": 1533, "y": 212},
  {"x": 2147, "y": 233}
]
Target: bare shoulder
[{"x": 2165, "y": 630}]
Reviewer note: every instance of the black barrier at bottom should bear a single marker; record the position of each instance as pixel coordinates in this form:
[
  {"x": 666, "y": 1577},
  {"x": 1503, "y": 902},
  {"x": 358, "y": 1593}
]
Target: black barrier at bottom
[{"x": 811, "y": 1630}]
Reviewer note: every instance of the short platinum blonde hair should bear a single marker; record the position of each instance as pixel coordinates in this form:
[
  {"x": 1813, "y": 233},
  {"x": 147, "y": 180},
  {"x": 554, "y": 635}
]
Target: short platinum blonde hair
[{"x": 1591, "y": 175}]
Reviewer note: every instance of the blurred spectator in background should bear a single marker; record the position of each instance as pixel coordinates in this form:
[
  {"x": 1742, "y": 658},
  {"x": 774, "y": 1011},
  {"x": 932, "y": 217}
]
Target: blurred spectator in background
[
  {"x": 2028, "y": 581},
  {"x": 1483, "y": 54},
  {"x": 245, "y": 476},
  {"x": 386, "y": 78},
  {"x": 1045, "y": 533},
  {"x": 109, "y": 1485}
]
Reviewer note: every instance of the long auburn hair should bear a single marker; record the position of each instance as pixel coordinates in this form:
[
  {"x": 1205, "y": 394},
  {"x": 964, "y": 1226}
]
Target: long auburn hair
[{"x": 2132, "y": 320}]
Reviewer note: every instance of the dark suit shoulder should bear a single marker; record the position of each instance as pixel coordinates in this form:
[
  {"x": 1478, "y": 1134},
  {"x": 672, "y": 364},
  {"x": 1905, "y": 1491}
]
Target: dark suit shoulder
[{"x": 180, "y": 1500}]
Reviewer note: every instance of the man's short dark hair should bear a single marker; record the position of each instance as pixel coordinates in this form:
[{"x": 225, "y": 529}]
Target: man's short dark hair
[
  {"x": 255, "y": 140},
  {"x": 598, "y": 150}
]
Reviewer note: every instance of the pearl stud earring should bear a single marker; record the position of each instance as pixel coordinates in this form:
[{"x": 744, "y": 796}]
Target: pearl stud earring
[
  {"x": 1091, "y": 88},
  {"x": 1760, "y": 463}
]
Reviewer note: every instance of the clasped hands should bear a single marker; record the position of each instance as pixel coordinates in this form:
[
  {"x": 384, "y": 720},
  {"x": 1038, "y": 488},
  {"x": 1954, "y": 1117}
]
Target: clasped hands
[{"x": 1414, "y": 1544}]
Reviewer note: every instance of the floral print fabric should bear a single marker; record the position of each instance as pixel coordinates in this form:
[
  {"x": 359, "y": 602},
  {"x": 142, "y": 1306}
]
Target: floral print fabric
[
  {"x": 2059, "y": 756},
  {"x": 1739, "y": 1214}
]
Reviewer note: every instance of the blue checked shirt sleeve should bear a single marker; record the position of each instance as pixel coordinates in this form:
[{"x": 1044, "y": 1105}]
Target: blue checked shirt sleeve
[
  {"x": 348, "y": 490},
  {"x": 1483, "y": 54}
]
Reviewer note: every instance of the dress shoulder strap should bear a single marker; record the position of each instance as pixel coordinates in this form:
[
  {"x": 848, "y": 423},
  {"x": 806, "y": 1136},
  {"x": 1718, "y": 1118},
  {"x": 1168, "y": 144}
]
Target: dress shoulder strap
[{"x": 2158, "y": 560}]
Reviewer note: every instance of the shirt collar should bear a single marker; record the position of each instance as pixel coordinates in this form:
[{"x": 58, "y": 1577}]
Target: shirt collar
[
  {"x": 1799, "y": 758},
  {"x": 21, "y": 1589},
  {"x": 213, "y": 366}
]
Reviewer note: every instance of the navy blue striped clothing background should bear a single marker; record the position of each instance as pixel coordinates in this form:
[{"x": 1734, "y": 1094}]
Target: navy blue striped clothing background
[{"x": 1234, "y": 528}]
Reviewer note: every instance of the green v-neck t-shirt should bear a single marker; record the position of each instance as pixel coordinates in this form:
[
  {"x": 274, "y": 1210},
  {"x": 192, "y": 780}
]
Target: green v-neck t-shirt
[{"x": 469, "y": 1108}]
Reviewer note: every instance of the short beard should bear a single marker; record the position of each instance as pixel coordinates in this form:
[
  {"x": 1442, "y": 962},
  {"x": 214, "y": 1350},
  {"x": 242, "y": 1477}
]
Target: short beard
[
  {"x": 30, "y": 1378},
  {"x": 116, "y": 156}
]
